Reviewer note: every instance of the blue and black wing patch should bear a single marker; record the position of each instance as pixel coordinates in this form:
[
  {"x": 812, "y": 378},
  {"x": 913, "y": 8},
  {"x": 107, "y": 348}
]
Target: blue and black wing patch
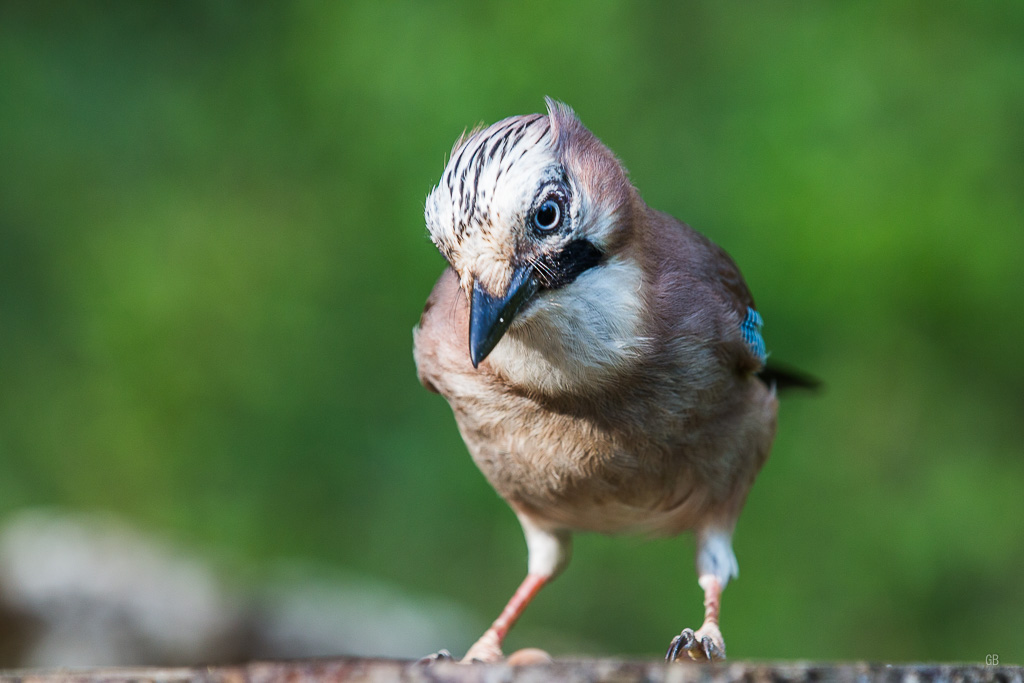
[{"x": 750, "y": 328}]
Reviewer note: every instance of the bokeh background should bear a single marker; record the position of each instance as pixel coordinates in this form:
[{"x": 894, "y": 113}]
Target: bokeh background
[{"x": 212, "y": 254}]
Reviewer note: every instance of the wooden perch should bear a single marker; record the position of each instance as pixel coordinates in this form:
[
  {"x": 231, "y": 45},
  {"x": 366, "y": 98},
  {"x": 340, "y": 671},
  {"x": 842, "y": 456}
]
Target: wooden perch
[{"x": 575, "y": 671}]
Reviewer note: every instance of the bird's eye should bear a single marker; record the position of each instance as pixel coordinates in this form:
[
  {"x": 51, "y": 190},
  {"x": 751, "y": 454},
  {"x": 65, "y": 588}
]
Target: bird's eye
[{"x": 548, "y": 216}]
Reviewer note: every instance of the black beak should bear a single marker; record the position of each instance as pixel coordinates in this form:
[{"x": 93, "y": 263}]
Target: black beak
[{"x": 490, "y": 316}]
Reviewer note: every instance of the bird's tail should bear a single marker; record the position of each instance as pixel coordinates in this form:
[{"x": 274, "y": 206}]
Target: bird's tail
[{"x": 784, "y": 378}]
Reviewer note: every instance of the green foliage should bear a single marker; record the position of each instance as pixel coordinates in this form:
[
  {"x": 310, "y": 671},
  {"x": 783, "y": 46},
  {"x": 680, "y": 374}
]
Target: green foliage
[{"x": 212, "y": 254}]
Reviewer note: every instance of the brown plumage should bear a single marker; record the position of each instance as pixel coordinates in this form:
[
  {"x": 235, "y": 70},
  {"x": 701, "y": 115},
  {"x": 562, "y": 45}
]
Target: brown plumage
[{"x": 607, "y": 384}]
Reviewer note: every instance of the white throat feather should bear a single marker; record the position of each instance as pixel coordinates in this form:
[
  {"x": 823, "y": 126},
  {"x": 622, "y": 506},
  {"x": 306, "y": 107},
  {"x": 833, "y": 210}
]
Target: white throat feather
[{"x": 581, "y": 335}]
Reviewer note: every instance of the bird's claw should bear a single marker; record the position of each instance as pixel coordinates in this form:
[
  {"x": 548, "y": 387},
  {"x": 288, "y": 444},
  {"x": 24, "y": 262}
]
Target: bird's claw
[
  {"x": 684, "y": 641},
  {"x": 704, "y": 645},
  {"x": 439, "y": 656}
]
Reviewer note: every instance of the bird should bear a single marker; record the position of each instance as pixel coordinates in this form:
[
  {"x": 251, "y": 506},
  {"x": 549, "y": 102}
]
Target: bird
[{"x": 604, "y": 361}]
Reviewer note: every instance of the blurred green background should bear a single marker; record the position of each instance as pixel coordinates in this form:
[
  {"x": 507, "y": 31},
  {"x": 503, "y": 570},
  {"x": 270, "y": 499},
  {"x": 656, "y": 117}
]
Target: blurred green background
[{"x": 212, "y": 254}]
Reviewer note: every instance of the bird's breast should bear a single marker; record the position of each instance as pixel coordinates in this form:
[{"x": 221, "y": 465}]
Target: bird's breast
[
  {"x": 648, "y": 442},
  {"x": 574, "y": 469}
]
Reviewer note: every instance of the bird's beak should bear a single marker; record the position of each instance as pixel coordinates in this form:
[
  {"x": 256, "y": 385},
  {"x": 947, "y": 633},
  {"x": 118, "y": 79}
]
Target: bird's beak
[{"x": 490, "y": 316}]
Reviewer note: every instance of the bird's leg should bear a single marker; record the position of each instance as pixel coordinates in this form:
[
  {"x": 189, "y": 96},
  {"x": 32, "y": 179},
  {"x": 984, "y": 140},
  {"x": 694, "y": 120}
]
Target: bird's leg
[
  {"x": 709, "y": 629},
  {"x": 716, "y": 563},
  {"x": 706, "y": 643},
  {"x": 488, "y": 647},
  {"x": 549, "y": 552}
]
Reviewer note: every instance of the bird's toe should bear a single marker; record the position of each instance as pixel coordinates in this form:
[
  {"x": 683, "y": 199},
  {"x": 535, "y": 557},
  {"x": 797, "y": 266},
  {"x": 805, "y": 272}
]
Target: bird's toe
[
  {"x": 703, "y": 645},
  {"x": 439, "y": 656},
  {"x": 684, "y": 642},
  {"x": 710, "y": 649},
  {"x": 529, "y": 656}
]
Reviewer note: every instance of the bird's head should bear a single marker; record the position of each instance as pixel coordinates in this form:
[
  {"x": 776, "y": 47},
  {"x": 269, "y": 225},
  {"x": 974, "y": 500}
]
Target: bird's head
[{"x": 524, "y": 208}]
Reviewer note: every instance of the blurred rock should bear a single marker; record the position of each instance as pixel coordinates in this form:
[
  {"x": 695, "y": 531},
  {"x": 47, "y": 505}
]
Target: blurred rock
[
  {"x": 304, "y": 616},
  {"x": 90, "y": 590}
]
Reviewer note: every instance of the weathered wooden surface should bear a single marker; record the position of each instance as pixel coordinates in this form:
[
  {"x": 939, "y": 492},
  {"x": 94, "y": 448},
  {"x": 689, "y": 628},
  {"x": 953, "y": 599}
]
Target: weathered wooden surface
[{"x": 578, "y": 671}]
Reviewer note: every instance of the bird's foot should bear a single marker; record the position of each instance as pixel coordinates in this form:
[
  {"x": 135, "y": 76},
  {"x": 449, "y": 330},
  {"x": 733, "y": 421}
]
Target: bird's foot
[
  {"x": 486, "y": 650},
  {"x": 528, "y": 656},
  {"x": 703, "y": 645},
  {"x": 439, "y": 656}
]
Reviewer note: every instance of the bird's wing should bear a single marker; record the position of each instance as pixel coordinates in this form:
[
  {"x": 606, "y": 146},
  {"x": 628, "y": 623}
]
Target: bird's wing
[
  {"x": 436, "y": 340},
  {"x": 736, "y": 297},
  {"x": 698, "y": 281},
  {"x": 727, "y": 275}
]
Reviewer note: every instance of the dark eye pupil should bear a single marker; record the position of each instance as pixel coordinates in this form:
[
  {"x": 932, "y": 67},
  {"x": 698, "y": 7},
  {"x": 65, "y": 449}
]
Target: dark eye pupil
[{"x": 547, "y": 215}]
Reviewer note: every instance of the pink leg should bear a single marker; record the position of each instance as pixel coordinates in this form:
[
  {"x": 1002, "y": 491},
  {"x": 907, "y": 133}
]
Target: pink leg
[
  {"x": 709, "y": 635},
  {"x": 488, "y": 647},
  {"x": 706, "y": 643}
]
